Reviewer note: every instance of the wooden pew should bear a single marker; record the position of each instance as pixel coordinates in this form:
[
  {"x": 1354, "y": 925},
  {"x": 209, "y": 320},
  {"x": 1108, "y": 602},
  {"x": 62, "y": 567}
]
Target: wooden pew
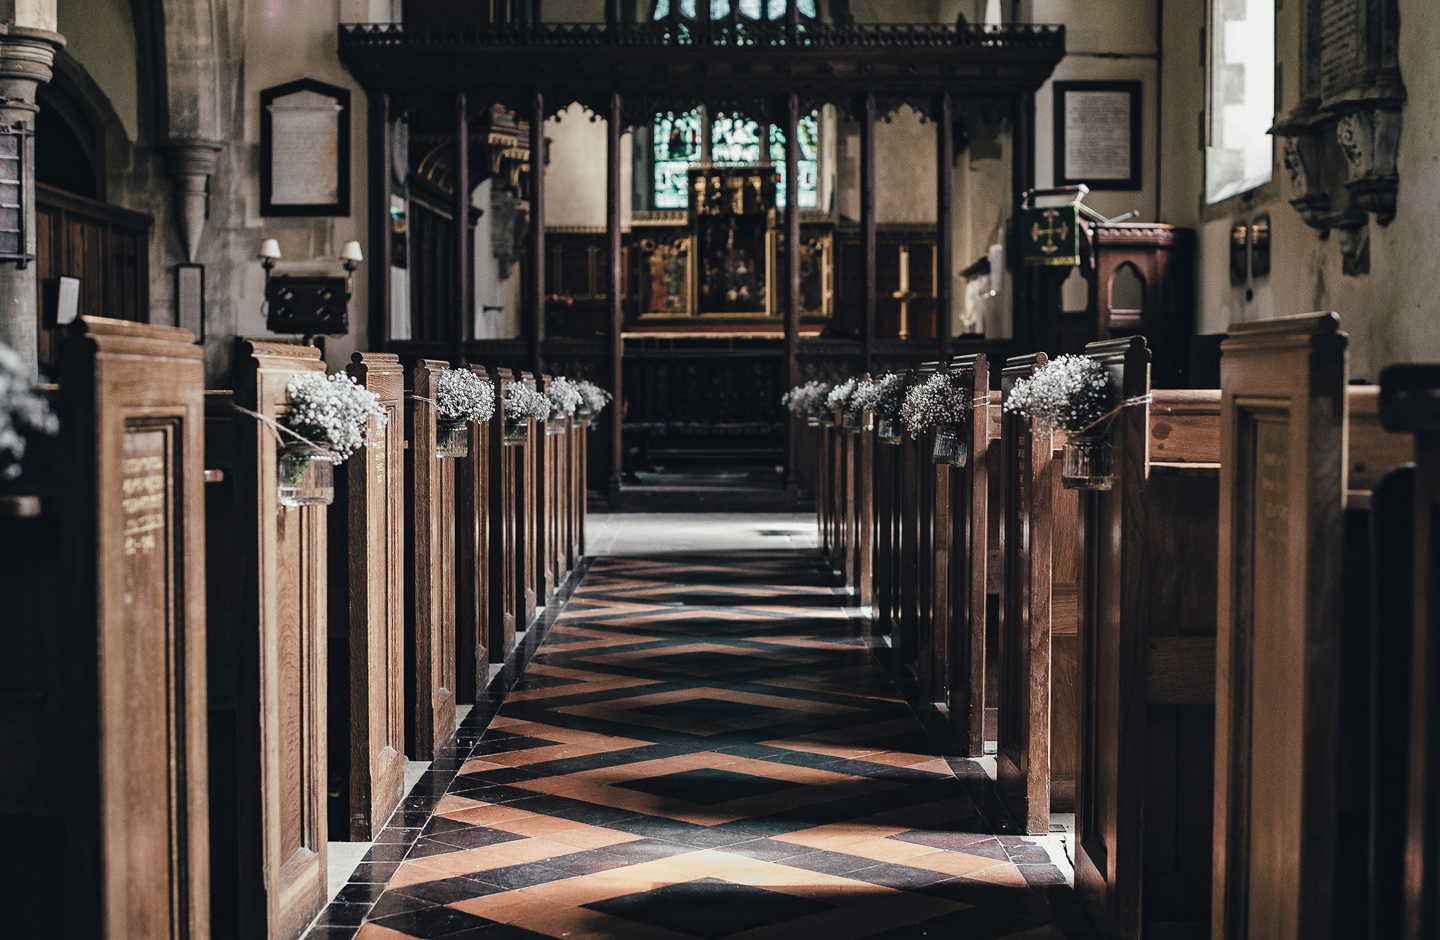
[
  {"x": 849, "y": 432},
  {"x": 563, "y": 492},
  {"x": 824, "y": 472},
  {"x": 1404, "y": 885},
  {"x": 431, "y": 587},
  {"x": 102, "y": 647},
  {"x": 579, "y": 491},
  {"x": 1300, "y": 454},
  {"x": 864, "y": 564},
  {"x": 473, "y": 522},
  {"x": 906, "y": 640},
  {"x": 506, "y": 603},
  {"x": 930, "y": 675},
  {"x": 886, "y": 572},
  {"x": 962, "y": 558},
  {"x": 265, "y": 594},
  {"x": 526, "y": 529},
  {"x": 1147, "y": 666},
  {"x": 366, "y": 616},
  {"x": 1037, "y": 737},
  {"x": 545, "y": 574},
  {"x": 838, "y": 486}
]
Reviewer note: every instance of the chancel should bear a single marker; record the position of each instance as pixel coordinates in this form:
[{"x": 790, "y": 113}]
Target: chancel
[{"x": 721, "y": 469}]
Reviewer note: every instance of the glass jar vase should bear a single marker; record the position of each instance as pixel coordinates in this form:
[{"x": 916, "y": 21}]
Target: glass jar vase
[
  {"x": 555, "y": 424},
  {"x": 517, "y": 433},
  {"x": 812, "y": 420},
  {"x": 584, "y": 417},
  {"x": 1088, "y": 464},
  {"x": 306, "y": 474},
  {"x": 888, "y": 430},
  {"x": 951, "y": 448},
  {"x": 452, "y": 438},
  {"x": 851, "y": 421}
]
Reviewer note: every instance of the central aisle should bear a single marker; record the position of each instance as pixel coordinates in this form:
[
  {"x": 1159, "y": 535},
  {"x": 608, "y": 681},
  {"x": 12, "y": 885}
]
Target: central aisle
[{"x": 703, "y": 746}]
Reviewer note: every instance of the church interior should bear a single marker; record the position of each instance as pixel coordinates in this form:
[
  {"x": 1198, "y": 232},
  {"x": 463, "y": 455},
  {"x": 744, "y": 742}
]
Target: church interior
[{"x": 722, "y": 469}]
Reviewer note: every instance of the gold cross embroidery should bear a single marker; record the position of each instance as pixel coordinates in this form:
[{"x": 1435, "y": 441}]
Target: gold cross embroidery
[{"x": 1063, "y": 230}]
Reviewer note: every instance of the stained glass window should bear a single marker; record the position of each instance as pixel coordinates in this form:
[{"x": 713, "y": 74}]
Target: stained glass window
[
  {"x": 809, "y": 160},
  {"x": 719, "y": 9},
  {"x": 733, "y": 139},
  {"x": 677, "y": 146}
]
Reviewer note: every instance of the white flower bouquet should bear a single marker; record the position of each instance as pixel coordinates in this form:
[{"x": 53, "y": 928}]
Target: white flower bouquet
[
  {"x": 21, "y": 406},
  {"x": 1071, "y": 394},
  {"x": 332, "y": 412},
  {"x": 1068, "y": 393},
  {"x": 594, "y": 397},
  {"x": 839, "y": 396},
  {"x": 934, "y": 403},
  {"x": 807, "y": 401},
  {"x": 522, "y": 403},
  {"x": 461, "y": 395},
  {"x": 565, "y": 395}
]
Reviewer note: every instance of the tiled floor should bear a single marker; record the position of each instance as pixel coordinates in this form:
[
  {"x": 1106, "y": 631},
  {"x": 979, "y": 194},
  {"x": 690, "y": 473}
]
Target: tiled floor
[{"x": 703, "y": 746}]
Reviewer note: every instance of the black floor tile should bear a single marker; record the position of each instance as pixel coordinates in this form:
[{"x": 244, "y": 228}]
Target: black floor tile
[{"x": 709, "y": 908}]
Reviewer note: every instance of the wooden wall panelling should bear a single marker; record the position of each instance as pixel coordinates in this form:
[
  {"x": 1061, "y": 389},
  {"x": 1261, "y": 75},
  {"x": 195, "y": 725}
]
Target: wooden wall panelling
[
  {"x": 430, "y": 607},
  {"x": 103, "y": 647},
  {"x": 1300, "y": 453},
  {"x": 268, "y": 661},
  {"x": 473, "y": 521},
  {"x": 1038, "y": 642},
  {"x": 1404, "y": 877},
  {"x": 1147, "y": 602},
  {"x": 503, "y": 553},
  {"x": 367, "y": 614},
  {"x": 962, "y": 515}
]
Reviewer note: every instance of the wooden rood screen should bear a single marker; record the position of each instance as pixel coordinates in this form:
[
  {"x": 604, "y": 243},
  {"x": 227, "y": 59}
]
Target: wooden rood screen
[
  {"x": 102, "y": 648},
  {"x": 1147, "y": 611},
  {"x": 1037, "y": 754}
]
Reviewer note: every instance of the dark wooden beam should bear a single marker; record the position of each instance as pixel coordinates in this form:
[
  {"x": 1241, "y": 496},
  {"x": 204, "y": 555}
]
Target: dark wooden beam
[
  {"x": 378, "y": 251},
  {"x": 1022, "y": 180},
  {"x": 537, "y": 228},
  {"x": 867, "y": 223},
  {"x": 944, "y": 231},
  {"x": 612, "y": 13},
  {"x": 614, "y": 128},
  {"x": 792, "y": 261},
  {"x": 464, "y": 258}
]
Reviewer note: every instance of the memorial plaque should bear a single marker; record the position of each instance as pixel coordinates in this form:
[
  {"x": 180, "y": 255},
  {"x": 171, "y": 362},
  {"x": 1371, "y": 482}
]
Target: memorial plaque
[
  {"x": 1340, "y": 45},
  {"x": 1097, "y": 134},
  {"x": 305, "y": 150}
]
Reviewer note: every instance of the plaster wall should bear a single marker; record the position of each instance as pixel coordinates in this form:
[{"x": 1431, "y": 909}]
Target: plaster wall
[
  {"x": 101, "y": 35},
  {"x": 1390, "y": 312}
]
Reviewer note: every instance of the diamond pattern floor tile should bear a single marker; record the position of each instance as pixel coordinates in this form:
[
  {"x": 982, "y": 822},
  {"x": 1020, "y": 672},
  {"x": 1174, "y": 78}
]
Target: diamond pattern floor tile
[{"x": 701, "y": 747}]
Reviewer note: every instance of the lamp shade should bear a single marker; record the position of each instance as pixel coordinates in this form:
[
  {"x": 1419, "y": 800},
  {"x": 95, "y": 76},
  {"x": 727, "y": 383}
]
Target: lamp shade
[
  {"x": 270, "y": 250},
  {"x": 351, "y": 252}
]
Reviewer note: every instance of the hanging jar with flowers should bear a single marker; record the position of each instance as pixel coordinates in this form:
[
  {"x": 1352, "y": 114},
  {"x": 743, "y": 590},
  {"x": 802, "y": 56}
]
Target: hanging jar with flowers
[
  {"x": 939, "y": 404},
  {"x": 839, "y": 401},
  {"x": 885, "y": 401},
  {"x": 1072, "y": 394},
  {"x": 593, "y": 400},
  {"x": 564, "y": 398},
  {"x": 461, "y": 397},
  {"x": 330, "y": 418},
  {"x": 522, "y": 405},
  {"x": 808, "y": 401}
]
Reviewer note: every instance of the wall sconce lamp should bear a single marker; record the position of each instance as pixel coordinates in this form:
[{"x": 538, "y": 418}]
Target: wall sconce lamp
[{"x": 350, "y": 258}]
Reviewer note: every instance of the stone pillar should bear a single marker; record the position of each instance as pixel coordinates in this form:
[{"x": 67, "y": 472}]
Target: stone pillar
[
  {"x": 191, "y": 162},
  {"x": 25, "y": 57}
]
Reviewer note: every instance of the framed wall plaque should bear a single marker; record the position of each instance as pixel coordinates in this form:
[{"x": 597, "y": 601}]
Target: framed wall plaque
[
  {"x": 1097, "y": 134},
  {"x": 190, "y": 299},
  {"x": 305, "y": 149}
]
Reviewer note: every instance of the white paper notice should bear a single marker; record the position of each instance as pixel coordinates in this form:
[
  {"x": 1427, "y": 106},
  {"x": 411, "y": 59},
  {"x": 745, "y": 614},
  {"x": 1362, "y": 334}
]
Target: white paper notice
[
  {"x": 304, "y": 150},
  {"x": 1097, "y": 135}
]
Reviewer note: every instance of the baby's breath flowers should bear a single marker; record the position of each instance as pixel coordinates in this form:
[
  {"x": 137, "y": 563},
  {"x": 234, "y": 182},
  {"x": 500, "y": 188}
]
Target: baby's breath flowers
[
  {"x": 839, "y": 396},
  {"x": 1069, "y": 393},
  {"x": 933, "y": 403},
  {"x": 523, "y": 402},
  {"x": 332, "y": 412},
  {"x": 593, "y": 396},
  {"x": 564, "y": 394},
  {"x": 21, "y": 406},
  {"x": 863, "y": 398},
  {"x": 808, "y": 400},
  {"x": 888, "y": 396},
  {"x": 461, "y": 395}
]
